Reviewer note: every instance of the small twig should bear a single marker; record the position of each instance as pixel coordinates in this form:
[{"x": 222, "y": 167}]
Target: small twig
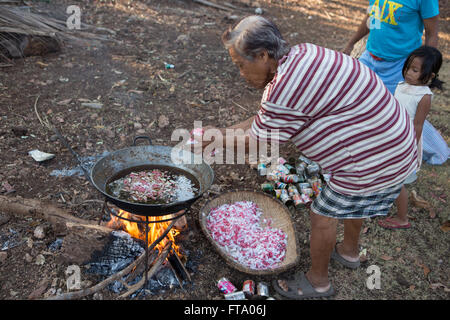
[
  {"x": 107, "y": 30},
  {"x": 35, "y": 110},
  {"x": 43, "y": 123},
  {"x": 151, "y": 124},
  {"x": 213, "y": 5},
  {"x": 162, "y": 79},
  {"x": 85, "y": 201},
  {"x": 126, "y": 285},
  {"x": 140, "y": 268},
  {"x": 227, "y": 4},
  {"x": 159, "y": 261},
  {"x": 184, "y": 73},
  {"x": 99, "y": 286},
  {"x": 19, "y": 115},
  {"x": 114, "y": 277},
  {"x": 240, "y": 106}
]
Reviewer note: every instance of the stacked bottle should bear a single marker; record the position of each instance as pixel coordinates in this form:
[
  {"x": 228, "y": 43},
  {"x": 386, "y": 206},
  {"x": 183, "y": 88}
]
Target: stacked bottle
[{"x": 295, "y": 182}]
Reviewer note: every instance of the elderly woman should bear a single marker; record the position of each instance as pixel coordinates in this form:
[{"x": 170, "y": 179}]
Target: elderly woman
[{"x": 339, "y": 114}]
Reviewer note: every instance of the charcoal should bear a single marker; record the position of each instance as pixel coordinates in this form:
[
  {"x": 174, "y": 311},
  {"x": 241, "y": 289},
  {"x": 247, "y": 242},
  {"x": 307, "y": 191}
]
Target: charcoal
[
  {"x": 9, "y": 240},
  {"x": 193, "y": 262},
  {"x": 166, "y": 278},
  {"x": 163, "y": 279},
  {"x": 119, "y": 252},
  {"x": 56, "y": 245},
  {"x": 116, "y": 287}
]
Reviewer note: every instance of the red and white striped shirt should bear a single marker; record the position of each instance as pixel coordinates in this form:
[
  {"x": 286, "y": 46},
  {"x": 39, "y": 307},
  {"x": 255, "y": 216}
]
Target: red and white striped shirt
[{"x": 338, "y": 113}]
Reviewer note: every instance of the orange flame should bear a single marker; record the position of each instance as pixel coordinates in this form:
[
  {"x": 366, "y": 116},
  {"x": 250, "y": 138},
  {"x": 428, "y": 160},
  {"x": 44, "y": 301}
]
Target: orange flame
[{"x": 155, "y": 229}]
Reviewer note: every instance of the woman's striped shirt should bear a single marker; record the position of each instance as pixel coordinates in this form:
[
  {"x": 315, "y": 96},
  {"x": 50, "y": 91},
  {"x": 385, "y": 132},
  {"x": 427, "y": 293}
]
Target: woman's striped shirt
[{"x": 339, "y": 114}]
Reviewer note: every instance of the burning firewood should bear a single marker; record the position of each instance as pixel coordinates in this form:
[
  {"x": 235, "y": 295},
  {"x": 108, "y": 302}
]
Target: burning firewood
[
  {"x": 117, "y": 276},
  {"x": 82, "y": 239},
  {"x": 156, "y": 265}
]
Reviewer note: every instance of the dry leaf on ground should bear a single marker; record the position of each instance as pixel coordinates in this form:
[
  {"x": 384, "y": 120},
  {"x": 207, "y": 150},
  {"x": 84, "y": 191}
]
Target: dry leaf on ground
[
  {"x": 446, "y": 226},
  {"x": 426, "y": 270},
  {"x": 385, "y": 257},
  {"x": 437, "y": 285},
  {"x": 163, "y": 121},
  {"x": 421, "y": 203}
]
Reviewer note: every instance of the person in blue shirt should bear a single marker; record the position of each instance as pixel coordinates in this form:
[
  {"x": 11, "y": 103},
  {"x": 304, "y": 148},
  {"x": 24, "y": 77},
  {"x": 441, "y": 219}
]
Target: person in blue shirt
[{"x": 395, "y": 29}]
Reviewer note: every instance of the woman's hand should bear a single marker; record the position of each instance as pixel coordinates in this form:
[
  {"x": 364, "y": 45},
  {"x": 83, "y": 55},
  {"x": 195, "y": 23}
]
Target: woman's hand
[
  {"x": 348, "y": 49},
  {"x": 205, "y": 136}
]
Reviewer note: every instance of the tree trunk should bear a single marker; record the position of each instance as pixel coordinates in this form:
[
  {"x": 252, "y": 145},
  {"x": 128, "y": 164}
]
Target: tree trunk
[{"x": 81, "y": 237}]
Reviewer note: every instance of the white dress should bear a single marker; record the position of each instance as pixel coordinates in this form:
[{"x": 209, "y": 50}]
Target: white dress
[{"x": 409, "y": 97}]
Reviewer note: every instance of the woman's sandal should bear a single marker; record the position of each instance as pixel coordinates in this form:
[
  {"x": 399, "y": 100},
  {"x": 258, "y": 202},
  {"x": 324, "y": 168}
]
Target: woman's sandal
[
  {"x": 349, "y": 264},
  {"x": 388, "y": 223},
  {"x": 301, "y": 282}
]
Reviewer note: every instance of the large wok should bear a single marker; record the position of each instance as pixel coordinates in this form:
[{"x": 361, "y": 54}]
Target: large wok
[{"x": 122, "y": 162}]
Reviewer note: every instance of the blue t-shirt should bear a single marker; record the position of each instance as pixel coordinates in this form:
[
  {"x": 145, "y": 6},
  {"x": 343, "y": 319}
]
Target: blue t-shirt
[{"x": 396, "y": 27}]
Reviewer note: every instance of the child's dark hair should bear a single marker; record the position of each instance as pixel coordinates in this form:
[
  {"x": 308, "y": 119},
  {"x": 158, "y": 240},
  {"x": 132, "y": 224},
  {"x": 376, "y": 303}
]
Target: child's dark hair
[{"x": 431, "y": 63}]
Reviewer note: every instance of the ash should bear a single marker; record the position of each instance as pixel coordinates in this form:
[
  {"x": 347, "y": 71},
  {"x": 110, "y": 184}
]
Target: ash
[
  {"x": 88, "y": 162},
  {"x": 9, "y": 240},
  {"x": 120, "y": 251},
  {"x": 162, "y": 280}
]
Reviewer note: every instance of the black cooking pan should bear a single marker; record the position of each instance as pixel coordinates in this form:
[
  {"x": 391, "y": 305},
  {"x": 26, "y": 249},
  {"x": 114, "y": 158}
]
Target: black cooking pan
[{"x": 137, "y": 158}]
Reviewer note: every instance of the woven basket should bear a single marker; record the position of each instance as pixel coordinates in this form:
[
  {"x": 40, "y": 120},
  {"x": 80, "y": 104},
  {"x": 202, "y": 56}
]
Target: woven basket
[{"x": 272, "y": 209}]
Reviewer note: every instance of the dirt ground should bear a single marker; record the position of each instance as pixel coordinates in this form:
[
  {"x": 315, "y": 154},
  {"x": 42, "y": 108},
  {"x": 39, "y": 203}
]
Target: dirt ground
[{"x": 129, "y": 78}]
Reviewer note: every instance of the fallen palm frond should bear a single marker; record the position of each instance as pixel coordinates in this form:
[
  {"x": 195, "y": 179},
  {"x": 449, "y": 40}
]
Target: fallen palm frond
[{"x": 17, "y": 26}]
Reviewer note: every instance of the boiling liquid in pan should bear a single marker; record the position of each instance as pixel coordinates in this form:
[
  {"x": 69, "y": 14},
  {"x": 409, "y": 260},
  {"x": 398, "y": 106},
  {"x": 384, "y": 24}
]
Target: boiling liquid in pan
[{"x": 181, "y": 185}]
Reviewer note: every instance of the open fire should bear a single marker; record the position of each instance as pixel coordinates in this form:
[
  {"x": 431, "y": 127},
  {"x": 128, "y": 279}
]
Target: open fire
[
  {"x": 160, "y": 233},
  {"x": 155, "y": 229}
]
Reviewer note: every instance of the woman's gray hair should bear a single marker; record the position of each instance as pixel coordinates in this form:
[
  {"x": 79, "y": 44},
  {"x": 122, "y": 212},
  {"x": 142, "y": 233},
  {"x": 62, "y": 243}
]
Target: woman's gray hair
[{"x": 254, "y": 34}]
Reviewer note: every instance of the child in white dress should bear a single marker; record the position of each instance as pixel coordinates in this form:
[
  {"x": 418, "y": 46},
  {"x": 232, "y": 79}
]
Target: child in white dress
[{"x": 421, "y": 73}]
